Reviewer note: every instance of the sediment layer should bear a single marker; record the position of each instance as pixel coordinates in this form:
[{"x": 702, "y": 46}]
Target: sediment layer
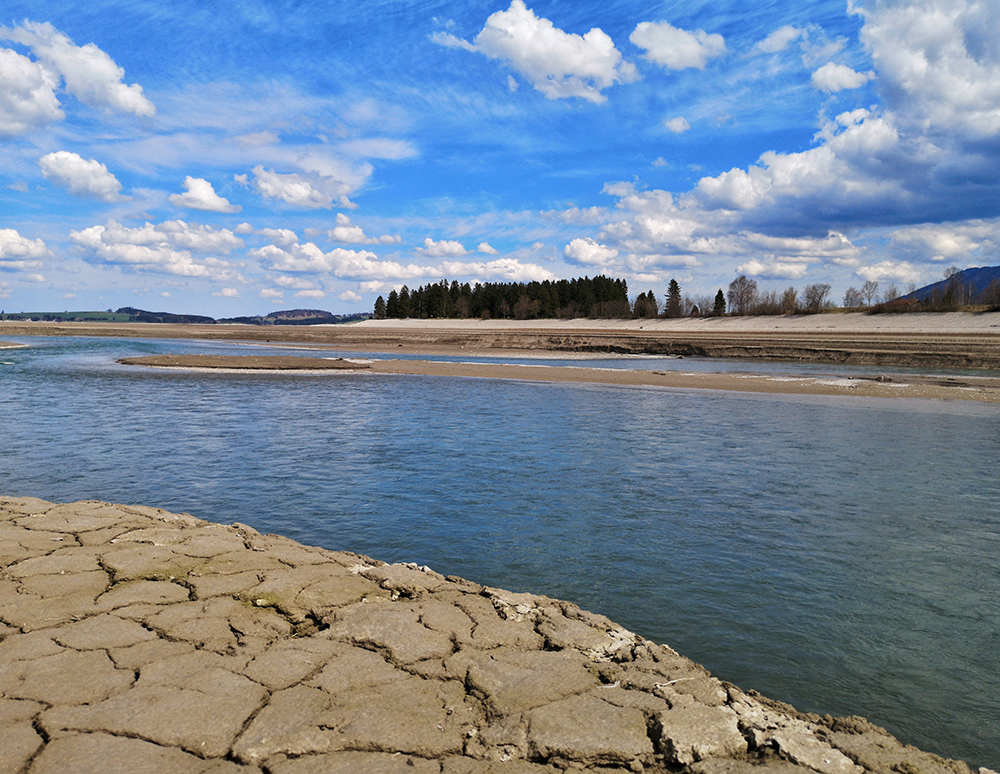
[
  {"x": 133, "y": 639},
  {"x": 981, "y": 389},
  {"x": 956, "y": 340}
]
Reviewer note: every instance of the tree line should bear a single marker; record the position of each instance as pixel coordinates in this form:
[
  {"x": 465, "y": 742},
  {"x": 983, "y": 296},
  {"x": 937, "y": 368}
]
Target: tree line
[
  {"x": 598, "y": 296},
  {"x": 605, "y": 297}
]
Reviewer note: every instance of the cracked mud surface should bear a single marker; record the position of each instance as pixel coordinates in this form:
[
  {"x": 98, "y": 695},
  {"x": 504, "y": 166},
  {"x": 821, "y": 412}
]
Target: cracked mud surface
[{"x": 137, "y": 640}]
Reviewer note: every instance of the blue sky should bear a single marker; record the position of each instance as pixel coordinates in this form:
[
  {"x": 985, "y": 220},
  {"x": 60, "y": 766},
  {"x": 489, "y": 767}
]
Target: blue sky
[{"x": 233, "y": 158}]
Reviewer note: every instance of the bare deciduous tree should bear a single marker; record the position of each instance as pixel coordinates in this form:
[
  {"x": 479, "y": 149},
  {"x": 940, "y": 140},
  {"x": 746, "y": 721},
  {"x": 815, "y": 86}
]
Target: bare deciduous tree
[
  {"x": 742, "y": 294},
  {"x": 815, "y": 296},
  {"x": 790, "y": 301},
  {"x": 869, "y": 290}
]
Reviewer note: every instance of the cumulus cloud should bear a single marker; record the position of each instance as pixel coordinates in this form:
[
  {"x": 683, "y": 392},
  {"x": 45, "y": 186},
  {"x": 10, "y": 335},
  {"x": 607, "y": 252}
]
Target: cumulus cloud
[
  {"x": 307, "y": 258},
  {"x": 657, "y": 230},
  {"x": 166, "y": 248},
  {"x": 81, "y": 177},
  {"x": 18, "y": 253},
  {"x": 485, "y": 247},
  {"x": 589, "y": 252},
  {"x": 88, "y": 73},
  {"x": 349, "y": 295},
  {"x": 677, "y": 125},
  {"x": 677, "y": 49},
  {"x": 27, "y": 94},
  {"x": 349, "y": 233},
  {"x": 897, "y": 271},
  {"x": 309, "y": 191},
  {"x": 771, "y": 268},
  {"x": 228, "y": 293},
  {"x": 506, "y": 269},
  {"x": 937, "y": 64},
  {"x": 201, "y": 196},
  {"x": 444, "y": 248},
  {"x": 832, "y": 78},
  {"x": 969, "y": 242},
  {"x": 557, "y": 63}
]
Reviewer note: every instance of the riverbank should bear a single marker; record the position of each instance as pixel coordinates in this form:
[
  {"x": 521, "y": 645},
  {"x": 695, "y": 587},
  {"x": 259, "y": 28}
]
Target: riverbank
[
  {"x": 951, "y": 340},
  {"x": 133, "y": 639}
]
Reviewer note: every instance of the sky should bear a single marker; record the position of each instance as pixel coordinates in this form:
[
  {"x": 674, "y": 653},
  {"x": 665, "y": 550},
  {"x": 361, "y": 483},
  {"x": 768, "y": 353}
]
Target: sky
[{"x": 242, "y": 156}]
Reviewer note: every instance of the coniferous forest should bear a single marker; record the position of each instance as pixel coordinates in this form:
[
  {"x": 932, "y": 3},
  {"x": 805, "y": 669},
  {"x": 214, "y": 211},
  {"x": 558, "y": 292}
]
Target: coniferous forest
[{"x": 598, "y": 296}]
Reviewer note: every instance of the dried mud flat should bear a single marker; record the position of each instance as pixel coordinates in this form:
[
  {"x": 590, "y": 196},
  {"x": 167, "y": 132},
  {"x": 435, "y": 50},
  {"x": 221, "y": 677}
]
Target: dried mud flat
[{"x": 137, "y": 640}]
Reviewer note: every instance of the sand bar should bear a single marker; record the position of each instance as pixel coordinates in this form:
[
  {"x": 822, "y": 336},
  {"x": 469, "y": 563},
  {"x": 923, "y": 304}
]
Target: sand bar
[
  {"x": 134, "y": 639},
  {"x": 247, "y": 362},
  {"x": 958, "y": 339},
  {"x": 982, "y": 389}
]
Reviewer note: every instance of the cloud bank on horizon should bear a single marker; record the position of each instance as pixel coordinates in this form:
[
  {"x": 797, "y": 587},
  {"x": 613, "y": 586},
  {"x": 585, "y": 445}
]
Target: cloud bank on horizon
[{"x": 234, "y": 158}]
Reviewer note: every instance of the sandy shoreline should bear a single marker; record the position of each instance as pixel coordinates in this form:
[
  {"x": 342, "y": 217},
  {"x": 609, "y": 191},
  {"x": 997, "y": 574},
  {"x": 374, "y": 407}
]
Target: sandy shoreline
[
  {"x": 955, "y": 340},
  {"x": 981, "y": 389}
]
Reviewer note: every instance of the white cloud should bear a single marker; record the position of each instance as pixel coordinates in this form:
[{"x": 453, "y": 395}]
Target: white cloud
[
  {"x": 446, "y": 247},
  {"x": 27, "y": 94},
  {"x": 317, "y": 189},
  {"x": 779, "y": 40},
  {"x": 507, "y": 269},
  {"x": 228, "y": 293},
  {"x": 89, "y": 73},
  {"x": 272, "y": 293},
  {"x": 973, "y": 241},
  {"x": 201, "y": 196},
  {"x": 81, "y": 177},
  {"x": 677, "y": 49},
  {"x": 349, "y": 295},
  {"x": 677, "y": 125},
  {"x": 773, "y": 269},
  {"x": 361, "y": 265},
  {"x": 257, "y": 139},
  {"x": 832, "y": 78},
  {"x": 166, "y": 248},
  {"x": 349, "y": 233},
  {"x": 589, "y": 252},
  {"x": 898, "y": 271},
  {"x": 485, "y": 247},
  {"x": 588, "y": 215},
  {"x": 18, "y": 253},
  {"x": 938, "y": 65},
  {"x": 291, "y": 188},
  {"x": 310, "y": 294},
  {"x": 556, "y": 63}
]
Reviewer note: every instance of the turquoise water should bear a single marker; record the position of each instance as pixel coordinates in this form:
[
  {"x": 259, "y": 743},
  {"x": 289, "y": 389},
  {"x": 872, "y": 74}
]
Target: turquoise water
[{"x": 841, "y": 554}]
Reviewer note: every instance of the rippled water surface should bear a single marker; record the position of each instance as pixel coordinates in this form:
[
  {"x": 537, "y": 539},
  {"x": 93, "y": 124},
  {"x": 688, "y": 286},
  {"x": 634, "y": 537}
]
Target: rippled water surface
[{"x": 841, "y": 554}]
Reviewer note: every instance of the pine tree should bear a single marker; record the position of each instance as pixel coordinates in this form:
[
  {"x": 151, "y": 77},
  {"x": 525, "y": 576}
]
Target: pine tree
[
  {"x": 719, "y": 309},
  {"x": 380, "y": 308},
  {"x": 673, "y": 299}
]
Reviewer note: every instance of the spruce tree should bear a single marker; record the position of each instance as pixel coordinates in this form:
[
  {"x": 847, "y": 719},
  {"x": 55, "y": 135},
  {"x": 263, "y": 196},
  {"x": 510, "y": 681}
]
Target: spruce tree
[
  {"x": 380, "y": 308},
  {"x": 719, "y": 309},
  {"x": 673, "y": 299}
]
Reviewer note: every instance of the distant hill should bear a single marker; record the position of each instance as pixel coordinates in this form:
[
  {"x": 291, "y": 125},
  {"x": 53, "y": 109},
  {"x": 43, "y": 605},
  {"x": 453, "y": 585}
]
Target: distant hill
[
  {"x": 141, "y": 315},
  {"x": 298, "y": 317},
  {"x": 131, "y": 314},
  {"x": 972, "y": 286}
]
